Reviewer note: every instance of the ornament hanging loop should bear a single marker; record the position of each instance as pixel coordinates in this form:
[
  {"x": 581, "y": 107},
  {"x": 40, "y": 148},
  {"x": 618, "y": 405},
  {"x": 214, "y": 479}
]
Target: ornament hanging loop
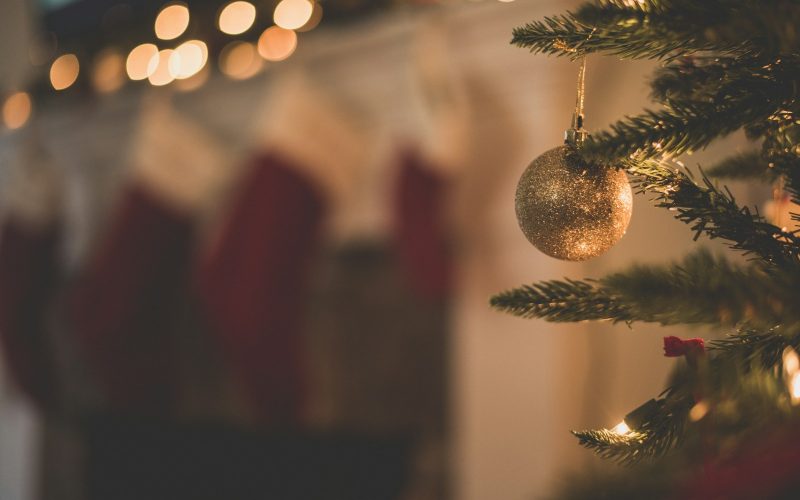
[{"x": 576, "y": 134}]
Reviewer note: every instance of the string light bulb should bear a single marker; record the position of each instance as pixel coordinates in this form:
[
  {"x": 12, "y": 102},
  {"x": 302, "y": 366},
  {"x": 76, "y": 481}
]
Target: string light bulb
[
  {"x": 188, "y": 59},
  {"x": 161, "y": 71},
  {"x": 791, "y": 362},
  {"x": 621, "y": 428},
  {"x": 138, "y": 63},
  {"x": 239, "y": 60},
  {"x": 108, "y": 73},
  {"x": 17, "y": 110},
  {"x": 276, "y": 43},
  {"x": 314, "y": 20},
  {"x": 236, "y": 17},
  {"x": 172, "y": 21},
  {"x": 64, "y": 71},
  {"x": 293, "y": 14}
]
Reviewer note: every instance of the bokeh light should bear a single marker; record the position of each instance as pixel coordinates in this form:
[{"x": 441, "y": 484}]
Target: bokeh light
[
  {"x": 172, "y": 21},
  {"x": 236, "y": 18},
  {"x": 108, "y": 73},
  {"x": 17, "y": 110},
  {"x": 314, "y": 20},
  {"x": 159, "y": 68},
  {"x": 188, "y": 59},
  {"x": 64, "y": 71},
  {"x": 293, "y": 14},
  {"x": 239, "y": 60},
  {"x": 276, "y": 43},
  {"x": 194, "y": 82},
  {"x": 138, "y": 63}
]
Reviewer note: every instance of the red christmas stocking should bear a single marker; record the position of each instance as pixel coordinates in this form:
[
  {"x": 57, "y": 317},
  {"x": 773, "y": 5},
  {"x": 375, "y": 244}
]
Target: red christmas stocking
[
  {"x": 254, "y": 285},
  {"x": 124, "y": 308},
  {"x": 420, "y": 227},
  {"x": 28, "y": 270},
  {"x": 29, "y": 273}
]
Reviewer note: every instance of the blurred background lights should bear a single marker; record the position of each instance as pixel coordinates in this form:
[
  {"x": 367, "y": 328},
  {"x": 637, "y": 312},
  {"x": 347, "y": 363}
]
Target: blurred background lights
[
  {"x": 108, "y": 73},
  {"x": 276, "y": 43},
  {"x": 194, "y": 82},
  {"x": 236, "y": 17},
  {"x": 314, "y": 20},
  {"x": 188, "y": 59},
  {"x": 172, "y": 21},
  {"x": 159, "y": 68},
  {"x": 17, "y": 110},
  {"x": 239, "y": 60},
  {"x": 64, "y": 71},
  {"x": 293, "y": 14},
  {"x": 138, "y": 63}
]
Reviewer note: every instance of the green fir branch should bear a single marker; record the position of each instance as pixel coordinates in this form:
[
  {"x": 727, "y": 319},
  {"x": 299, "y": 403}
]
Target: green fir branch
[
  {"x": 655, "y": 436},
  {"x": 714, "y": 212},
  {"x": 562, "y": 301},
  {"x": 749, "y": 165},
  {"x": 685, "y": 126},
  {"x": 701, "y": 289},
  {"x": 764, "y": 26},
  {"x": 749, "y": 355},
  {"x": 567, "y": 36}
]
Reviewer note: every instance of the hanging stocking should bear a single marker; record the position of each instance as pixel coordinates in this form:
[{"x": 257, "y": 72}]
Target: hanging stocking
[
  {"x": 28, "y": 273},
  {"x": 254, "y": 283},
  {"x": 443, "y": 127},
  {"x": 420, "y": 227},
  {"x": 124, "y": 307}
]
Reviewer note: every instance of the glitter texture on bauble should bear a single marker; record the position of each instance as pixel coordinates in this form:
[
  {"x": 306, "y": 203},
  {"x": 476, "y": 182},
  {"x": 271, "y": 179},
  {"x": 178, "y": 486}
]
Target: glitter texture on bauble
[{"x": 570, "y": 209}]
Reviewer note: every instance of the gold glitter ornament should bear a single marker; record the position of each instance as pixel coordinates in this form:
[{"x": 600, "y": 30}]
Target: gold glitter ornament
[{"x": 570, "y": 209}]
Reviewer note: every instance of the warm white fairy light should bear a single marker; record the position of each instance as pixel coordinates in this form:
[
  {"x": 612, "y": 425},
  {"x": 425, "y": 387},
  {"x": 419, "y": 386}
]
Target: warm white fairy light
[
  {"x": 138, "y": 62},
  {"x": 161, "y": 71},
  {"x": 236, "y": 17},
  {"x": 188, "y": 59},
  {"x": 108, "y": 73},
  {"x": 276, "y": 43},
  {"x": 293, "y": 14},
  {"x": 64, "y": 71},
  {"x": 621, "y": 428},
  {"x": 17, "y": 110},
  {"x": 698, "y": 411},
  {"x": 794, "y": 388},
  {"x": 314, "y": 20},
  {"x": 240, "y": 60},
  {"x": 791, "y": 373},
  {"x": 791, "y": 362},
  {"x": 172, "y": 21}
]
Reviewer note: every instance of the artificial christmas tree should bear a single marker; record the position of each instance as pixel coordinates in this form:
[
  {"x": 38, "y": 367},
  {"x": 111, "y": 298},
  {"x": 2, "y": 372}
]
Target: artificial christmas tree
[{"x": 727, "y": 424}]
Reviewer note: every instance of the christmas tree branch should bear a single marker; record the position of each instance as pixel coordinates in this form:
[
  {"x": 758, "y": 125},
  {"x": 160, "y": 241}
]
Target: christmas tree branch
[
  {"x": 568, "y": 36},
  {"x": 652, "y": 438},
  {"x": 563, "y": 301},
  {"x": 714, "y": 212},
  {"x": 748, "y": 165},
  {"x": 741, "y": 368},
  {"x": 665, "y": 29},
  {"x": 700, "y": 289}
]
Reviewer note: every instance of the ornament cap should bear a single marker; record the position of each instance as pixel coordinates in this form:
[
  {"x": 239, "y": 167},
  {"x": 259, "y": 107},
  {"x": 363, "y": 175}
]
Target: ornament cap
[{"x": 576, "y": 134}]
